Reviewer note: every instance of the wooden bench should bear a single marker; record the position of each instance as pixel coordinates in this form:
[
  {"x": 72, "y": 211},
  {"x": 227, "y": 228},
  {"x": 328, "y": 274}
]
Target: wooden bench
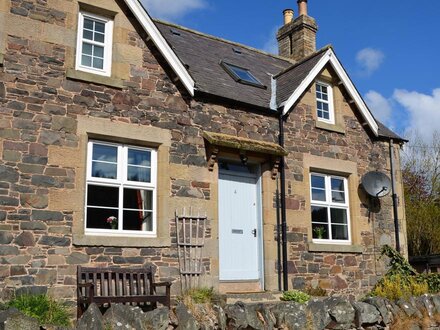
[{"x": 119, "y": 285}]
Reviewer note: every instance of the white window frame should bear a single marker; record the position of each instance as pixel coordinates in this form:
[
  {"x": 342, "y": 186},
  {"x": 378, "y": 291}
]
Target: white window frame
[
  {"x": 331, "y": 110},
  {"x": 122, "y": 182},
  {"x": 108, "y": 40},
  {"x": 329, "y": 204}
]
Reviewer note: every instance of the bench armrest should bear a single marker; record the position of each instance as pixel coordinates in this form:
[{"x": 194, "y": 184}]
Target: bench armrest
[
  {"x": 85, "y": 285},
  {"x": 89, "y": 286},
  {"x": 167, "y": 284}
]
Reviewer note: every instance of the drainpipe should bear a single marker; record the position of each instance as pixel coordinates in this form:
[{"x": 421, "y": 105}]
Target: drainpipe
[
  {"x": 283, "y": 205},
  {"x": 393, "y": 184},
  {"x": 278, "y": 233}
]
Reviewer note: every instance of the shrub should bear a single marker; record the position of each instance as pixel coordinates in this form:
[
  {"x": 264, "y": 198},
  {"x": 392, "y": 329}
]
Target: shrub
[
  {"x": 433, "y": 281},
  {"x": 43, "y": 308},
  {"x": 201, "y": 295},
  {"x": 396, "y": 287},
  {"x": 296, "y": 296}
]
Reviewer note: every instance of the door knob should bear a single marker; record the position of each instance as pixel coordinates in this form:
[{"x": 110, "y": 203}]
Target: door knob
[{"x": 254, "y": 232}]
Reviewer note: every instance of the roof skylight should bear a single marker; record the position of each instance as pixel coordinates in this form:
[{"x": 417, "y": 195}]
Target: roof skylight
[{"x": 241, "y": 75}]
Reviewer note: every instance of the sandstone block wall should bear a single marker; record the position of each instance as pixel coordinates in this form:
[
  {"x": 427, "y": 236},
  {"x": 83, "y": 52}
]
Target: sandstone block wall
[{"x": 47, "y": 113}]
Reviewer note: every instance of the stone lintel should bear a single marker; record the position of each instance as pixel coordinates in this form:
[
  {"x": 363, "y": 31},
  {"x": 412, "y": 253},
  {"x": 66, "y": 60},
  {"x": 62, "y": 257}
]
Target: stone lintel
[
  {"x": 313, "y": 247},
  {"x": 94, "y": 78}
]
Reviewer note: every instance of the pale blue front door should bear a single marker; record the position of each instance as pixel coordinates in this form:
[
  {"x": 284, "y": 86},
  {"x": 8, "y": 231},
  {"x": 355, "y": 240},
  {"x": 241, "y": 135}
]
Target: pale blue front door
[{"x": 238, "y": 224}]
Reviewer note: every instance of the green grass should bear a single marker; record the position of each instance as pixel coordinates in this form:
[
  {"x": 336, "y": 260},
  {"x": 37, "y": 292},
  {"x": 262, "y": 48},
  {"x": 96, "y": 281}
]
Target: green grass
[
  {"x": 201, "y": 295},
  {"x": 43, "y": 308}
]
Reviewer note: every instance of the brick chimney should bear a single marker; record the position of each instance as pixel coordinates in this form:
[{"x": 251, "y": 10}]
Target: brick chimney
[{"x": 297, "y": 38}]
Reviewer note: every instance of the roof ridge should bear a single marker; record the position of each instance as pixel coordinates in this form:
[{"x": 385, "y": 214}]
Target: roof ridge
[
  {"x": 305, "y": 59},
  {"x": 234, "y": 43}
]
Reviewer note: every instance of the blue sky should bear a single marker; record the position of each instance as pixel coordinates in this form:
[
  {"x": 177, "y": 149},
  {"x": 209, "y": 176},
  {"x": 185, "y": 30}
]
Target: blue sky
[{"x": 389, "y": 48}]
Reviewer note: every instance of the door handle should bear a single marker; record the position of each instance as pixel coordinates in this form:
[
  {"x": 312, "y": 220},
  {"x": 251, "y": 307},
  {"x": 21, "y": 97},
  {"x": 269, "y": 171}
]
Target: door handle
[{"x": 254, "y": 232}]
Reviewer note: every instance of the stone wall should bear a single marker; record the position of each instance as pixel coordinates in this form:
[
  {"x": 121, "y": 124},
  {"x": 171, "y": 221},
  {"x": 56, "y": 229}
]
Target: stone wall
[
  {"x": 47, "y": 112},
  {"x": 331, "y": 313}
]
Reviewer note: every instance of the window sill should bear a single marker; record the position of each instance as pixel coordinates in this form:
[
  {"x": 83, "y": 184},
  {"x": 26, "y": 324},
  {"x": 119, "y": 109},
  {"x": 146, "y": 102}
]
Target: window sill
[
  {"x": 94, "y": 78},
  {"x": 330, "y": 127},
  {"x": 313, "y": 247},
  {"x": 114, "y": 241}
]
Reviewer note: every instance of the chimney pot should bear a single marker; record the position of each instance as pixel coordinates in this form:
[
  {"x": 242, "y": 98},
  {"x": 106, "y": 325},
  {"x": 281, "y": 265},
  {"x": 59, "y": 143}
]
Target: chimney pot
[
  {"x": 302, "y": 7},
  {"x": 288, "y": 16}
]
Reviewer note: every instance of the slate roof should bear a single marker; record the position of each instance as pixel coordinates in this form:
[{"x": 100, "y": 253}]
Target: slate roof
[
  {"x": 291, "y": 78},
  {"x": 202, "y": 55},
  {"x": 387, "y": 133}
]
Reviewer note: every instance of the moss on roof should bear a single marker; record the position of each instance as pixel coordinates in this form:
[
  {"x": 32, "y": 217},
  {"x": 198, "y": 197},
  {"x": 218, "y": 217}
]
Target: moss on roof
[{"x": 245, "y": 144}]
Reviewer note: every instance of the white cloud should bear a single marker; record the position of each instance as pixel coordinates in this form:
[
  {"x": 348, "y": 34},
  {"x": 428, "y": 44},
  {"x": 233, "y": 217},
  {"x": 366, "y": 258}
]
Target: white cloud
[
  {"x": 423, "y": 110},
  {"x": 380, "y": 106},
  {"x": 172, "y": 9},
  {"x": 271, "y": 44},
  {"x": 369, "y": 59}
]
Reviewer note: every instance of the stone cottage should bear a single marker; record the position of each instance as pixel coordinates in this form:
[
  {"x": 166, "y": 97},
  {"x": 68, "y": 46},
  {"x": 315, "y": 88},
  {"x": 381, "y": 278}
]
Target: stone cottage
[{"x": 111, "y": 121}]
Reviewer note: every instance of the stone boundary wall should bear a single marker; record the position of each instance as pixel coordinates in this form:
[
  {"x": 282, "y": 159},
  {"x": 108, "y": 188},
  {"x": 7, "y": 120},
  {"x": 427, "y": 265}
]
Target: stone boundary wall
[{"x": 330, "y": 313}]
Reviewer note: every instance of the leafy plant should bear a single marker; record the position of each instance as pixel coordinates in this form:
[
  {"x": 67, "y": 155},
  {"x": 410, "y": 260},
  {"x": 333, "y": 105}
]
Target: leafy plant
[
  {"x": 296, "y": 296},
  {"x": 43, "y": 308},
  {"x": 319, "y": 232},
  {"x": 402, "y": 280}
]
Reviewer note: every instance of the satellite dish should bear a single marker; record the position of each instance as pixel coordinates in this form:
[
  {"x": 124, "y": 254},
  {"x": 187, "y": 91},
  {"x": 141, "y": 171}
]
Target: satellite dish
[{"x": 376, "y": 184}]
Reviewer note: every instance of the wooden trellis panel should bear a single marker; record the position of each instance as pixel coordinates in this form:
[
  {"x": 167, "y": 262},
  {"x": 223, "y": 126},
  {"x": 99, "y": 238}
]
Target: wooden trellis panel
[{"x": 190, "y": 230}]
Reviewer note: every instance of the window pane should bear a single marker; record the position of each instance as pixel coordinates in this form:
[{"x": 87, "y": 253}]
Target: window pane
[
  {"x": 320, "y": 105},
  {"x": 138, "y": 220},
  {"x": 100, "y": 27},
  {"x": 86, "y": 60},
  {"x": 326, "y": 115},
  {"x": 320, "y": 114},
  {"x": 318, "y": 181},
  {"x": 338, "y": 197},
  {"x": 104, "y": 170},
  {"x": 319, "y": 214},
  {"x": 139, "y": 157},
  {"x": 318, "y": 87},
  {"x": 138, "y": 174},
  {"x": 320, "y": 231},
  {"x": 324, "y": 89},
  {"x": 87, "y": 49},
  {"x": 325, "y": 106},
  {"x": 337, "y": 184},
  {"x": 88, "y": 23},
  {"x": 98, "y": 218},
  {"x": 98, "y": 51},
  {"x": 338, "y": 216},
  {"x": 98, "y": 63},
  {"x": 325, "y": 97},
  {"x": 88, "y": 35},
  {"x": 138, "y": 199},
  {"x": 99, "y": 37},
  {"x": 102, "y": 196},
  {"x": 340, "y": 232},
  {"x": 318, "y": 195},
  {"x": 105, "y": 153}
]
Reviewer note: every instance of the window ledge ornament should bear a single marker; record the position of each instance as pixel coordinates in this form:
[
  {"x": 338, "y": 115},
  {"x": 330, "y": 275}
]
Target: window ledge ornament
[{"x": 245, "y": 148}]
